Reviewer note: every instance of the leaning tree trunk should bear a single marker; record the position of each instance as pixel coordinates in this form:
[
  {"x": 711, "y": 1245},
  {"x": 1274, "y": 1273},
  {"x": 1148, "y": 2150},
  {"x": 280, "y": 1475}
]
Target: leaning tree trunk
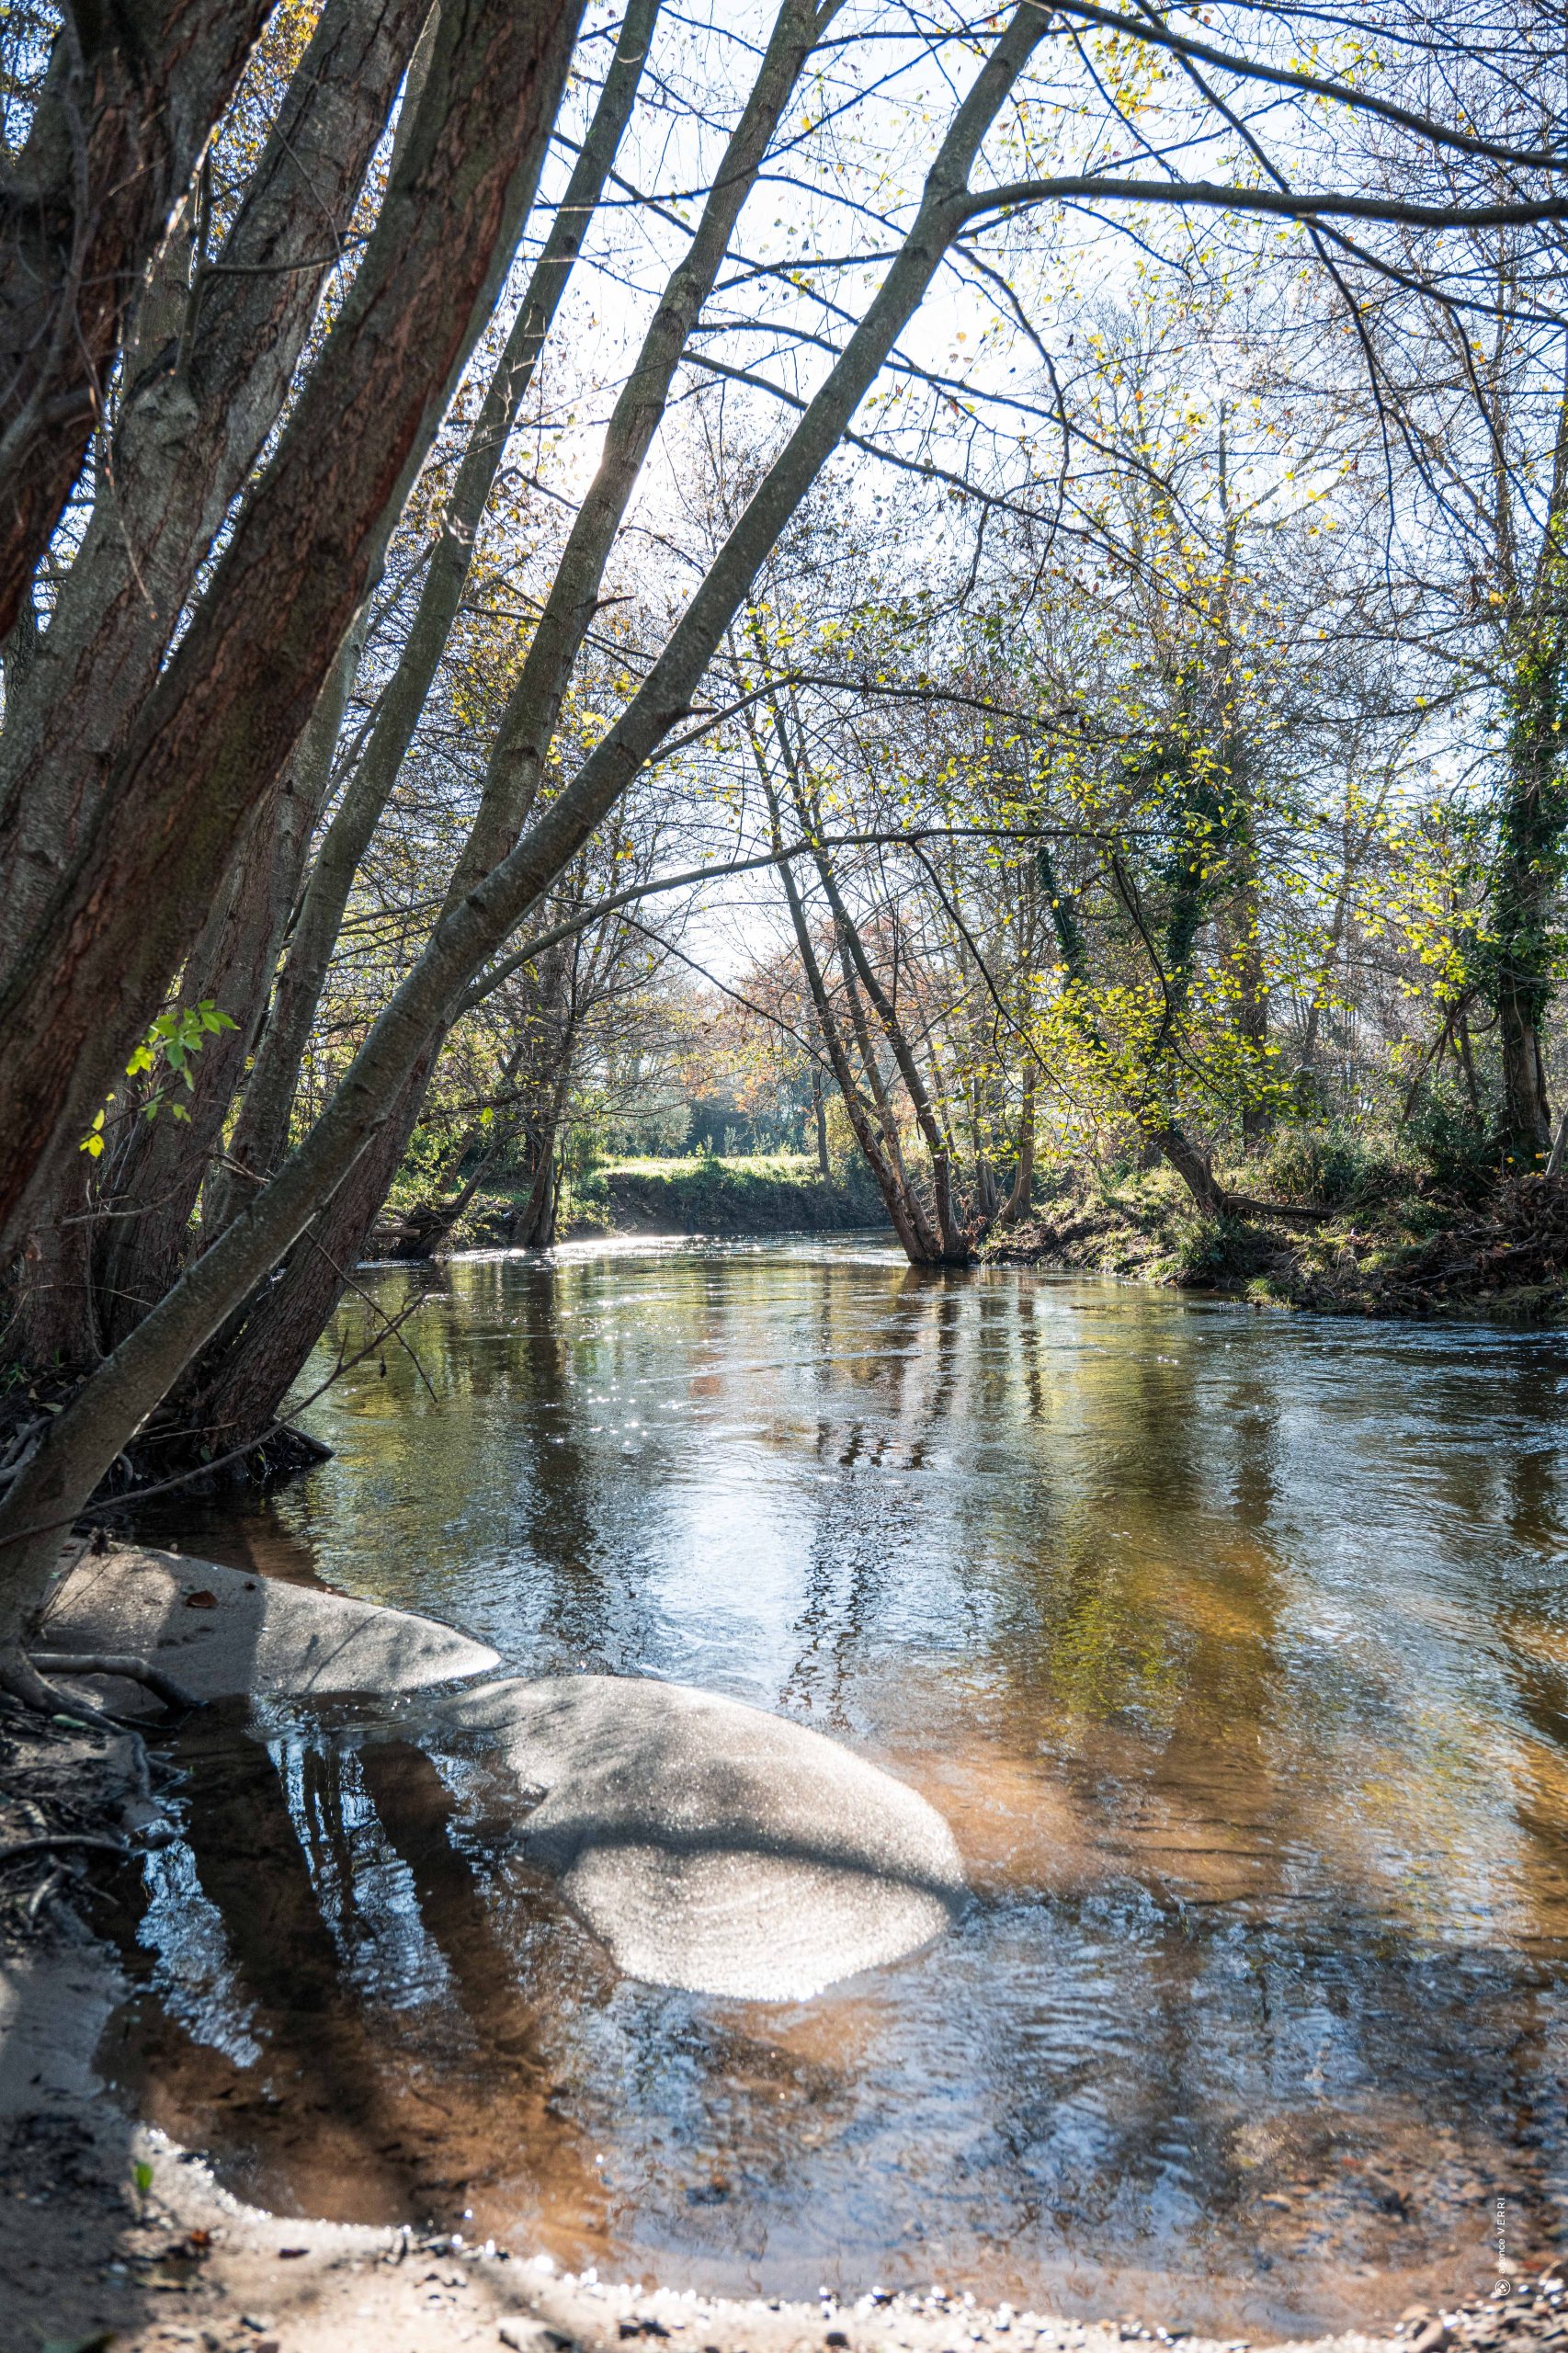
[
  {"x": 82, "y": 1442},
  {"x": 874, "y": 1130},
  {"x": 148, "y": 1236},
  {"x": 129, "y": 101},
  {"x": 261, "y": 1132},
  {"x": 1530, "y": 855},
  {"x": 819, "y": 1117},
  {"x": 215, "y": 352},
  {"x": 239, "y": 1386},
  {"x": 951, "y": 1247},
  {"x": 1161, "y": 1131},
  {"x": 1523, "y": 887}
]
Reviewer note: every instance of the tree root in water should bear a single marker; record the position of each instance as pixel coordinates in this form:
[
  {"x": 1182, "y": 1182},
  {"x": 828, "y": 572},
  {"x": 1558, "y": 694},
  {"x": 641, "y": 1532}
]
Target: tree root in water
[
  {"x": 48, "y": 1843},
  {"x": 21, "y": 1678}
]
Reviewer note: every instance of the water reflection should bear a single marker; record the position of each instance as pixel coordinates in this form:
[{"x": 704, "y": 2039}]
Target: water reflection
[{"x": 1234, "y": 1648}]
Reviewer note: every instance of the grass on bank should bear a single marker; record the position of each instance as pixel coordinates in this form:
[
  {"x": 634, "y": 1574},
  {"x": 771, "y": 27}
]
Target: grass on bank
[
  {"x": 765, "y": 1192},
  {"x": 750, "y": 1193}
]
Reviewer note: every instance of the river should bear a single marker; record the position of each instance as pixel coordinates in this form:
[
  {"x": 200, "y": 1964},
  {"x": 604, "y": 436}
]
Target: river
[{"x": 1231, "y": 1644}]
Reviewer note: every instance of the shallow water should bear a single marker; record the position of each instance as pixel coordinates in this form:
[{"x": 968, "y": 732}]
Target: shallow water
[{"x": 1233, "y": 1646}]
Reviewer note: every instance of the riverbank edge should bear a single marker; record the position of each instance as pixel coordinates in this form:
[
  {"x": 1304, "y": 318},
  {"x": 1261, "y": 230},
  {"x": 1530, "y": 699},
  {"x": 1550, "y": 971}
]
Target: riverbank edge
[
  {"x": 132, "y": 2245},
  {"x": 1509, "y": 1266},
  {"x": 744, "y": 1199}
]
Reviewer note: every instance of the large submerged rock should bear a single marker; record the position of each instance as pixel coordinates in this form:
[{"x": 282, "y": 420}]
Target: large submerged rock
[{"x": 714, "y": 1847}]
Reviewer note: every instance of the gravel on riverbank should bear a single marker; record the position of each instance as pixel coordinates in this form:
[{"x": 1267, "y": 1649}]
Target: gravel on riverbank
[{"x": 113, "y": 2240}]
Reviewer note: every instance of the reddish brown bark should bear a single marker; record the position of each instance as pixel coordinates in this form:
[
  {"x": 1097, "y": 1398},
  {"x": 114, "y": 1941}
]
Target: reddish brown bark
[
  {"x": 205, "y": 381},
  {"x": 231, "y": 704},
  {"x": 130, "y": 98},
  {"x": 147, "y": 1238},
  {"x": 234, "y": 1392}
]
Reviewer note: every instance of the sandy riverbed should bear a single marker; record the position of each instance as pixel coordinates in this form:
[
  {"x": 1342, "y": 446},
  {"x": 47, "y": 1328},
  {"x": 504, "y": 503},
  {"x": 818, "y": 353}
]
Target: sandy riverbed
[{"x": 113, "y": 2237}]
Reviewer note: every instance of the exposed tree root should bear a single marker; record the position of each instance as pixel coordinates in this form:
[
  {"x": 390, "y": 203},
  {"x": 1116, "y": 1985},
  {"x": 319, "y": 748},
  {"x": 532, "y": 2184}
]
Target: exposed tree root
[
  {"x": 46, "y": 1846},
  {"x": 21, "y": 1681},
  {"x": 129, "y": 1669},
  {"x": 21, "y": 1678}
]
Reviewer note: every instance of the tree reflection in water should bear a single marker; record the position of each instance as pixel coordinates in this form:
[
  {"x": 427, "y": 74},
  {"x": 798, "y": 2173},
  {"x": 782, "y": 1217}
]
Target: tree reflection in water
[{"x": 1233, "y": 1646}]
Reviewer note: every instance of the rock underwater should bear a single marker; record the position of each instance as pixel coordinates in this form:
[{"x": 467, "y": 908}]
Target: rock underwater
[{"x": 712, "y": 1846}]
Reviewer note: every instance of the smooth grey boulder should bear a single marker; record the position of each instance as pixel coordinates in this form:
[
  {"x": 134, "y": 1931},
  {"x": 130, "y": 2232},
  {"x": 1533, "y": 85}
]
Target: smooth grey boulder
[
  {"x": 712, "y": 1846},
  {"x": 223, "y": 1634}
]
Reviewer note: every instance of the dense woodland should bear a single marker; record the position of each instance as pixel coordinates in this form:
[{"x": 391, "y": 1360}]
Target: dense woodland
[{"x": 982, "y": 591}]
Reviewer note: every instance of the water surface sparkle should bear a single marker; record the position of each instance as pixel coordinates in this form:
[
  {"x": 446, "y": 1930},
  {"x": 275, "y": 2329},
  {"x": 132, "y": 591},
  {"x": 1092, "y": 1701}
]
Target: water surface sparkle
[{"x": 1233, "y": 1646}]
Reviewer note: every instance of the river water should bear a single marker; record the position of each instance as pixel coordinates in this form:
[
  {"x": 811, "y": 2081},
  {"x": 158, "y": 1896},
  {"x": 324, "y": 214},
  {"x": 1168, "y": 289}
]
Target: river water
[{"x": 1233, "y": 1645}]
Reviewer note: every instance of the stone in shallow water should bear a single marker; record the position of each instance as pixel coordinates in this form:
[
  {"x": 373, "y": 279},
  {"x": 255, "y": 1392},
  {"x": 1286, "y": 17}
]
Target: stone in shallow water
[
  {"x": 714, "y": 1847},
  {"x": 222, "y": 1633}
]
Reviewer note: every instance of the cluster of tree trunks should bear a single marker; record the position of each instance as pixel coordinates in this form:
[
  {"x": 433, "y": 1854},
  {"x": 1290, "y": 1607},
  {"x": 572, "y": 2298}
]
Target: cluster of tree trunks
[
  {"x": 174, "y": 859},
  {"x": 173, "y": 738}
]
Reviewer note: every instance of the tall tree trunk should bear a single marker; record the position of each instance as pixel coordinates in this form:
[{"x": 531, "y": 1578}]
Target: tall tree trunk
[
  {"x": 54, "y": 1325},
  {"x": 877, "y": 1134},
  {"x": 1529, "y": 864},
  {"x": 952, "y": 1249},
  {"x": 218, "y": 340},
  {"x": 261, "y": 1132},
  {"x": 819, "y": 1117},
  {"x": 1176, "y": 1147},
  {"x": 239, "y": 1386},
  {"x": 529, "y": 722},
  {"x": 1019, "y": 1200},
  {"x": 1525, "y": 884},
  {"x": 231, "y": 705},
  {"x": 1256, "y": 1117},
  {"x": 1161, "y": 1133},
  {"x": 148, "y": 1236},
  {"x": 130, "y": 99}
]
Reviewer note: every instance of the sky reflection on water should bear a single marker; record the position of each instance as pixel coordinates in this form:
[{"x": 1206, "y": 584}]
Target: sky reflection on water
[{"x": 1233, "y": 1646}]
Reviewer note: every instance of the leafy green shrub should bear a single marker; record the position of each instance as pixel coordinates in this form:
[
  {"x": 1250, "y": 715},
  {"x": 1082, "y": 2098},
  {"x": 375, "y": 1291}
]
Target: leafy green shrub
[
  {"x": 1340, "y": 1163},
  {"x": 1205, "y": 1251},
  {"x": 1460, "y": 1154}
]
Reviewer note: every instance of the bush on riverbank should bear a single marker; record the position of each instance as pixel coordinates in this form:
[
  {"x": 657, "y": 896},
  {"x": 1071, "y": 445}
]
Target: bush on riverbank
[{"x": 1417, "y": 1225}]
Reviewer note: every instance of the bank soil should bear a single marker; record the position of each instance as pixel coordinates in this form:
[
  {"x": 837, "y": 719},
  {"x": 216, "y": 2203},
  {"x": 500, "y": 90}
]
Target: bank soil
[{"x": 1507, "y": 1262}]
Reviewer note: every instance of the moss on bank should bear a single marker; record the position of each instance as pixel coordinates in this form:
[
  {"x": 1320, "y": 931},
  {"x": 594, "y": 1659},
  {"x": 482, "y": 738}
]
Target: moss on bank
[{"x": 1396, "y": 1242}]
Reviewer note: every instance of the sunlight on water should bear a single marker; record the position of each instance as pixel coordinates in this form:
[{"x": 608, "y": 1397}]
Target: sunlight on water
[{"x": 1233, "y": 1646}]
